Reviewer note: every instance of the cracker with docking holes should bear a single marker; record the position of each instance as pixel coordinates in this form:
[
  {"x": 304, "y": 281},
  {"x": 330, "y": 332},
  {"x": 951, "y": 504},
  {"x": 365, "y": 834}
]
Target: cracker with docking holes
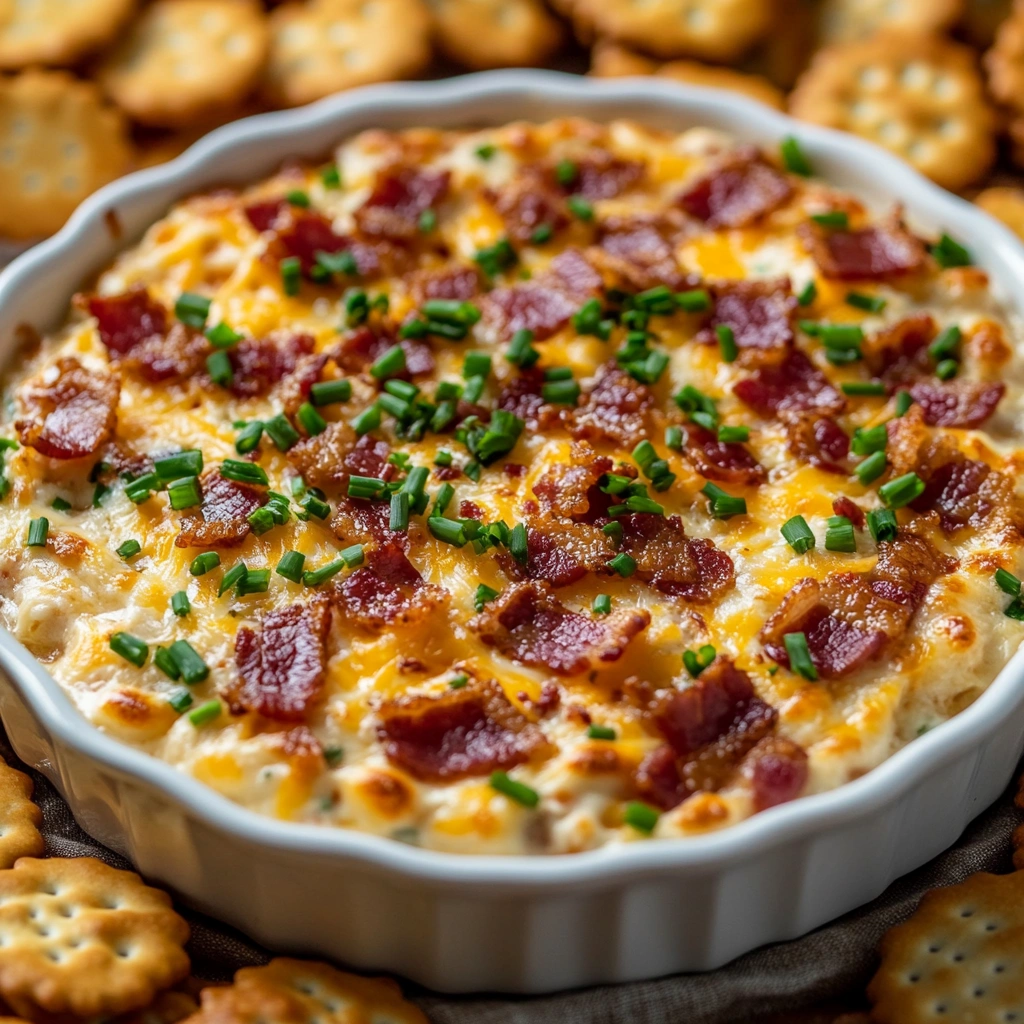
[
  {"x": 609, "y": 60},
  {"x": 59, "y": 141},
  {"x": 960, "y": 957},
  {"x": 719, "y": 30},
  {"x": 323, "y": 46},
  {"x": 304, "y": 992},
  {"x": 1004, "y": 64},
  {"x": 19, "y": 818},
  {"x": 185, "y": 60},
  {"x": 1005, "y": 203},
  {"x": 485, "y": 34},
  {"x": 842, "y": 21},
  {"x": 79, "y": 937},
  {"x": 57, "y": 31},
  {"x": 167, "y": 1008},
  {"x": 920, "y": 97}
]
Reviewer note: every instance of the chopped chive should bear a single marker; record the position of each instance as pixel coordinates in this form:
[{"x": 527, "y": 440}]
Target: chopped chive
[
  {"x": 444, "y": 496},
  {"x": 483, "y": 594},
  {"x": 205, "y": 713},
  {"x": 458, "y": 682},
  {"x": 947, "y": 252},
  {"x": 844, "y": 336},
  {"x": 613, "y": 530},
  {"x": 640, "y": 816},
  {"x": 291, "y": 274},
  {"x": 674, "y": 438},
  {"x": 476, "y": 364},
  {"x": 365, "y": 486},
  {"x": 249, "y": 438},
  {"x": 281, "y": 432},
  {"x": 580, "y": 208},
  {"x": 130, "y": 648},
  {"x": 901, "y": 491},
  {"x": 334, "y": 756},
  {"x": 808, "y": 293},
  {"x": 798, "y": 535},
  {"x": 521, "y": 352},
  {"x": 342, "y": 262},
  {"x": 367, "y": 420},
  {"x": 391, "y": 363},
  {"x": 600, "y": 732},
  {"x": 869, "y": 439},
  {"x": 839, "y": 535},
  {"x": 314, "y": 577},
  {"x": 203, "y": 563},
  {"x": 141, "y": 488},
  {"x": 696, "y": 300},
  {"x": 946, "y": 344},
  {"x": 493, "y": 259},
  {"x": 518, "y": 543},
  {"x": 799, "y": 655},
  {"x": 98, "y": 495},
  {"x": 192, "y": 309},
  {"x": 255, "y": 581},
  {"x": 399, "y": 519},
  {"x": 623, "y": 564},
  {"x": 173, "y": 467},
  {"x": 443, "y": 458},
  {"x": 231, "y": 577},
  {"x": 129, "y": 549},
  {"x": 864, "y": 388},
  {"x": 180, "y": 700},
  {"x": 451, "y": 531},
  {"x": 427, "y": 221},
  {"x": 733, "y": 435},
  {"x": 312, "y": 422},
  {"x": 871, "y": 468},
  {"x": 541, "y": 234},
  {"x": 1015, "y": 610},
  {"x": 352, "y": 556},
  {"x": 727, "y": 342},
  {"x": 261, "y": 520},
  {"x": 602, "y": 604},
  {"x": 517, "y": 791},
  {"x": 696, "y": 404},
  {"x": 328, "y": 392},
  {"x": 882, "y": 524},
  {"x": 331, "y": 176},
  {"x": 1007, "y": 582},
  {"x": 566, "y": 172},
  {"x": 243, "y": 472},
  {"x": 869, "y": 303},
  {"x": 904, "y": 400},
  {"x": 560, "y": 392},
  {"x": 222, "y": 336},
  {"x": 180, "y": 603},
  {"x": 184, "y": 493},
  {"x": 37, "y": 531},
  {"x": 793, "y": 158},
  {"x": 315, "y": 505},
  {"x": 947, "y": 369},
  {"x": 60, "y": 505},
  {"x": 838, "y": 220},
  {"x": 696, "y": 661},
  {"x": 290, "y": 566},
  {"x": 297, "y": 197},
  {"x": 486, "y": 151},
  {"x": 191, "y": 666},
  {"x": 722, "y": 505}
]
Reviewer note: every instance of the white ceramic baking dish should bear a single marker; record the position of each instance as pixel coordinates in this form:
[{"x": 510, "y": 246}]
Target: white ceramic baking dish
[{"x": 459, "y": 923}]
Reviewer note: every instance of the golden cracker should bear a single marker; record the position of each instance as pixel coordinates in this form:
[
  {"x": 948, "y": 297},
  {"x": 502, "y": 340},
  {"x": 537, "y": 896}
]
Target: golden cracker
[
  {"x": 612, "y": 61},
  {"x": 83, "y": 938},
  {"x": 59, "y": 141},
  {"x": 719, "y": 30},
  {"x": 920, "y": 97},
  {"x": 1017, "y": 842},
  {"x": 782, "y": 56},
  {"x": 57, "y": 31},
  {"x": 842, "y": 21},
  {"x": 185, "y": 60},
  {"x": 167, "y": 1008},
  {"x": 1004, "y": 65},
  {"x": 19, "y": 818},
  {"x": 304, "y": 992},
  {"x": 960, "y": 957},
  {"x": 319, "y": 47},
  {"x": 981, "y": 19},
  {"x": 1005, "y": 203},
  {"x": 485, "y": 34}
]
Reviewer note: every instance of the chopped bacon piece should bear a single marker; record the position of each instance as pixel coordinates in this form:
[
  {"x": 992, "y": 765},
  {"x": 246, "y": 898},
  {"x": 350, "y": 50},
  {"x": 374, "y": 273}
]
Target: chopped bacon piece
[
  {"x": 534, "y": 305},
  {"x": 387, "y": 591},
  {"x": 369, "y": 457},
  {"x": 615, "y": 407},
  {"x": 603, "y": 176},
  {"x": 964, "y": 492},
  {"x": 818, "y": 441},
  {"x": 673, "y": 563},
  {"x": 527, "y": 203},
  {"x": 470, "y": 510},
  {"x": 177, "y": 355},
  {"x": 560, "y": 551},
  {"x": 364, "y": 346},
  {"x": 458, "y": 734},
  {"x": 571, "y": 490},
  {"x": 128, "y": 319},
  {"x": 321, "y": 458},
  {"x": 795, "y": 384},
  {"x": 526, "y": 623},
  {"x": 760, "y": 314},
  {"x": 258, "y": 365},
  {"x": 574, "y": 274},
  {"x": 640, "y": 249},
  {"x": 851, "y": 618},
  {"x": 69, "y": 411},
  {"x": 453, "y": 281},
  {"x": 844, "y": 506},
  {"x": 727, "y": 461},
  {"x": 359, "y": 521},
  {"x": 899, "y": 352},
  {"x": 740, "y": 191},
  {"x": 957, "y": 403},
  {"x": 222, "y": 519},
  {"x": 873, "y": 253},
  {"x": 265, "y": 214},
  {"x": 281, "y": 666},
  {"x": 777, "y": 769},
  {"x": 297, "y": 384},
  {"x": 521, "y": 396},
  {"x": 400, "y": 196}
]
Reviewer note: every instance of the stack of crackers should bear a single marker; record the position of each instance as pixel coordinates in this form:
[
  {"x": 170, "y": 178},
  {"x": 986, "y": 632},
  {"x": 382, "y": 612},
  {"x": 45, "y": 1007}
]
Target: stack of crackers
[{"x": 92, "y": 88}]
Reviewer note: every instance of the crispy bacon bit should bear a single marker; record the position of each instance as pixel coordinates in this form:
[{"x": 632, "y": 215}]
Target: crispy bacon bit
[
  {"x": 281, "y": 666},
  {"x": 795, "y": 384},
  {"x": 258, "y": 365},
  {"x": 728, "y": 461},
  {"x": 453, "y": 281},
  {"x": 560, "y": 551},
  {"x": 574, "y": 274},
  {"x": 614, "y": 408},
  {"x": 522, "y": 396},
  {"x": 818, "y": 441},
  {"x": 177, "y": 355},
  {"x": 873, "y": 253},
  {"x": 844, "y": 506},
  {"x": 69, "y": 411},
  {"x": 364, "y": 346},
  {"x": 760, "y": 314},
  {"x": 264, "y": 215},
  {"x": 603, "y": 176},
  {"x": 369, "y": 457},
  {"x": 358, "y": 521},
  {"x": 128, "y": 319},
  {"x": 458, "y": 734},
  {"x": 295, "y": 386},
  {"x": 321, "y": 458},
  {"x": 388, "y": 591},
  {"x": 571, "y": 490},
  {"x": 899, "y": 352},
  {"x": 529, "y": 202},
  {"x": 400, "y": 196},
  {"x": 526, "y": 623},
  {"x": 777, "y": 770},
  {"x": 470, "y": 510},
  {"x": 640, "y": 250},
  {"x": 222, "y": 517},
  {"x": 964, "y": 492},
  {"x": 851, "y": 618},
  {"x": 740, "y": 191},
  {"x": 957, "y": 403},
  {"x": 672, "y": 562}
]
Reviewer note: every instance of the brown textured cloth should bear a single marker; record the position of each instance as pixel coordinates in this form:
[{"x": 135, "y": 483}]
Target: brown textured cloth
[{"x": 790, "y": 976}]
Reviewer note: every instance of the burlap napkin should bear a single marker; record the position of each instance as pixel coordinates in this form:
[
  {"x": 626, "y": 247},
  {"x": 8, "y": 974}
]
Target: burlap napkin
[{"x": 789, "y": 976}]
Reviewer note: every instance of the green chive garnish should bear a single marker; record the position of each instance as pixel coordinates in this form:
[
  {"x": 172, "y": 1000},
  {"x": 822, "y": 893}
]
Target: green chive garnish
[
  {"x": 864, "y": 388},
  {"x": 517, "y": 791},
  {"x": 696, "y": 661},
  {"x": 949, "y": 253},
  {"x": 367, "y": 420},
  {"x": 129, "y": 549},
  {"x": 191, "y": 666},
  {"x": 203, "y": 563},
  {"x": 839, "y": 535},
  {"x": 255, "y": 581},
  {"x": 174, "y": 467},
  {"x": 37, "y": 531},
  {"x": 328, "y": 392},
  {"x": 602, "y": 604},
  {"x": 391, "y": 363},
  {"x": 674, "y": 438},
  {"x": 869, "y": 439},
  {"x": 290, "y": 566},
  {"x": 560, "y": 392},
  {"x": 946, "y": 344},
  {"x": 493, "y": 259},
  {"x": 314, "y": 577},
  {"x": 222, "y": 336},
  {"x": 733, "y": 435},
  {"x": 192, "y": 310},
  {"x": 331, "y": 176},
  {"x": 352, "y": 556},
  {"x": 291, "y": 277},
  {"x": 205, "y": 713},
  {"x": 580, "y": 208},
  {"x": 180, "y": 700},
  {"x": 458, "y": 682},
  {"x": 904, "y": 400},
  {"x": 566, "y": 172},
  {"x": 640, "y": 816},
  {"x": 869, "y": 303},
  {"x": 184, "y": 493},
  {"x": 600, "y": 732},
  {"x": 542, "y": 233},
  {"x": 901, "y": 491},
  {"x": 486, "y": 151},
  {"x": 296, "y": 197},
  {"x": 798, "y": 534},
  {"x": 312, "y": 422},
  {"x": 399, "y": 518},
  {"x": 231, "y": 577},
  {"x": 249, "y": 438},
  {"x": 722, "y": 505},
  {"x": 808, "y": 293},
  {"x": 947, "y": 369},
  {"x": 882, "y": 524},
  {"x": 793, "y": 158},
  {"x": 871, "y": 468},
  {"x": 1007, "y": 582},
  {"x": 727, "y": 342},
  {"x": 800, "y": 655},
  {"x": 243, "y": 472},
  {"x": 623, "y": 564},
  {"x": 427, "y": 221},
  {"x": 130, "y": 648},
  {"x": 483, "y": 594},
  {"x": 60, "y": 505},
  {"x": 521, "y": 352},
  {"x": 837, "y": 220},
  {"x": 365, "y": 486},
  {"x": 180, "y": 603},
  {"x": 281, "y": 432},
  {"x": 696, "y": 300},
  {"x": 261, "y": 520}
]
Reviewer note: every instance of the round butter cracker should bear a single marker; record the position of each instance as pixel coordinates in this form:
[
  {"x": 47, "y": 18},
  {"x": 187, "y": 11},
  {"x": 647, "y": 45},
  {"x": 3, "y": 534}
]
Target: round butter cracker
[
  {"x": 185, "y": 60},
  {"x": 920, "y": 97},
  {"x": 57, "y": 31},
  {"x": 319, "y": 47},
  {"x": 19, "y": 818},
  {"x": 485, "y": 34},
  {"x": 59, "y": 141},
  {"x": 960, "y": 957},
  {"x": 842, "y": 21},
  {"x": 1005, "y": 203}
]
